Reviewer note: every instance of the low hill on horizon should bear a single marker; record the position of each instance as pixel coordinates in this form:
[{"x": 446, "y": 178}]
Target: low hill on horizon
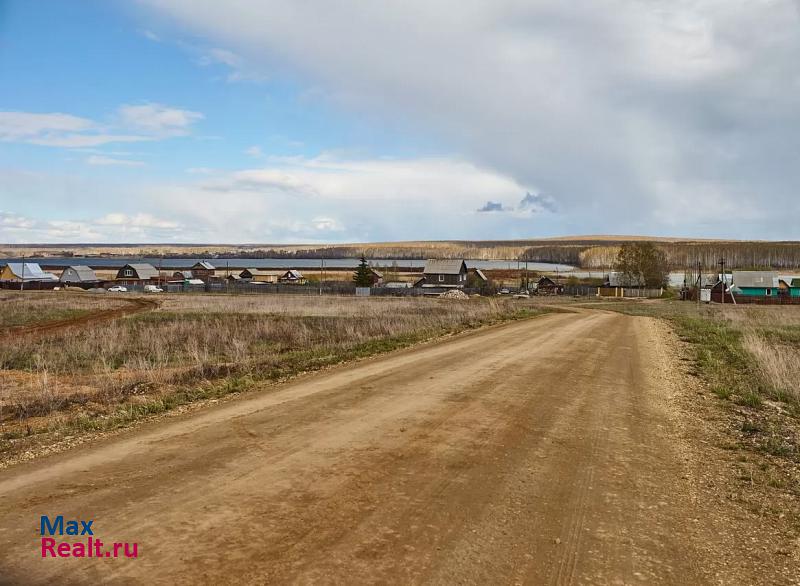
[{"x": 590, "y": 251}]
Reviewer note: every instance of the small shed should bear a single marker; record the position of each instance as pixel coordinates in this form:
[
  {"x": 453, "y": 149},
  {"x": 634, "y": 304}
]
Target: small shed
[
  {"x": 185, "y": 275},
  {"x": 445, "y": 273},
  {"x": 79, "y": 275}
]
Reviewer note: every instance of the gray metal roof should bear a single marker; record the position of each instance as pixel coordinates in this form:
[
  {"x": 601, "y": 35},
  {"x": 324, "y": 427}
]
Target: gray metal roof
[
  {"x": 144, "y": 270},
  {"x": 85, "y": 274},
  {"x": 435, "y": 266},
  {"x": 32, "y": 272},
  {"x": 755, "y": 279}
]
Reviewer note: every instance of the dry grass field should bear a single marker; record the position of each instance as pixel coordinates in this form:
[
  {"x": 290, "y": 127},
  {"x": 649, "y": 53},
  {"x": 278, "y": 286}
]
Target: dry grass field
[
  {"x": 98, "y": 376},
  {"x": 772, "y": 337},
  {"x": 42, "y": 306}
]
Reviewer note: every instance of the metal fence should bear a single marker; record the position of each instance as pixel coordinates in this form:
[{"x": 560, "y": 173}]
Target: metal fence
[
  {"x": 629, "y": 292},
  {"x": 580, "y": 290}
]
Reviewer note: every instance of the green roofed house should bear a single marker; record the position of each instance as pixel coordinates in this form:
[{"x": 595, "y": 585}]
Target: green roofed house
[{"x": 755, "y": 283}]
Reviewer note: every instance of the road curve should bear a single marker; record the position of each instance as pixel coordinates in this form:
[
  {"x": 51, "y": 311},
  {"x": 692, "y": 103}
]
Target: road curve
[
  {"x": 132, "y": 305},
  {"x": 538, "y": 452}
]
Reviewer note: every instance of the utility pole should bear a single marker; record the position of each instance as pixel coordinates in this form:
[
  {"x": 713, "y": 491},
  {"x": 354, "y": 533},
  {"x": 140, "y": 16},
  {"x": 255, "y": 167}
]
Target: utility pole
[
  {"x": 321, "y": 273},
  {"x": 527, "y": 284},
  {"x": 699, "y": 283},
  {"x": 722, "y": 268},
  {"x": 22, "y": 284}
]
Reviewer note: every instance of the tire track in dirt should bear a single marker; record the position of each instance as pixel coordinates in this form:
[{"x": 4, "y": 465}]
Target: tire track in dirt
[{"x": 136, "y": 305}]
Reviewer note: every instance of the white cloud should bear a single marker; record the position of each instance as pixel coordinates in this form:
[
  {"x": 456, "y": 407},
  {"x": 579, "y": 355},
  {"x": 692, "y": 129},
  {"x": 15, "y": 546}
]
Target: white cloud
[
  {"x": 240, "y": 71},
  {"x": 114, "y": 227},
  {"x": 140, "y": 123},
  {"x": 12, "y": 221},
  {"x": 148, "y": 34},
  {"x": 103, "y": 160},
  {"x": 327, "y": 224},
  {"x": 597, "y": 104},
  {"x": 254, "y": 151},
  {"x": 158, "y": 120},
  {"x": 136, "y": 221},
  {"x": 324, "y": 198},
  {"x": 295, "y": 199},
  {"x": 15, "y": 126}
]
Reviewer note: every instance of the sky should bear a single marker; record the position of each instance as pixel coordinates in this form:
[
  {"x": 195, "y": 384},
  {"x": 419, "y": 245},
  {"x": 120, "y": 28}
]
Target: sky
[{"x": 278, "y": 121}]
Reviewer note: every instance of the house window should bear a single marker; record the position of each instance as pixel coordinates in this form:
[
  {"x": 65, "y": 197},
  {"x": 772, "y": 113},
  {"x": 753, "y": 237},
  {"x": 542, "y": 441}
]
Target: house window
[
  {"x": 128, "y": 272},
  {"x": 441, "y": 278},
  {"x": 769, "y": 292}
]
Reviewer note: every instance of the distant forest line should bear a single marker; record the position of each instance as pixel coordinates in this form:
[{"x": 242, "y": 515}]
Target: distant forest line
[{"x": 587, "y": 253}]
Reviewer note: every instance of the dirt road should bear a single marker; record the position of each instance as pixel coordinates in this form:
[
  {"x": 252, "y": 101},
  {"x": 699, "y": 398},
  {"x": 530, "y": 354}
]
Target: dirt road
[
  {"x": 540, "y": 452},
  {"x": 134, "y": 305}
]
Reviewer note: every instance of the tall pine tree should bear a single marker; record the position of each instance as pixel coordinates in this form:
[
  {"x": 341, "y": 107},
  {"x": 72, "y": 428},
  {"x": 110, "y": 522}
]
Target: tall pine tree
[{"x": 363, "y": 276}]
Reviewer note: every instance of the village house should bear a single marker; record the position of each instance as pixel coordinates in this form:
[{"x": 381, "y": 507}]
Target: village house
[
  {"x": 476, "y": 278},
  {"x": 547, "y": 286},
  {"x": 444, "y": 273},
  {"x": 755, "y": 283},
  {"x": 28, "y": 272},
  {"x": 376, "y": 277},
  {"x": 137, "y": 274},
  {"x": 292, "y": 277},
  {"x": 260, "y": 276},
  {"x": 183, "y": 275},
  {"x": 79, "y": 275},
  {"x": 203, "y": 270},
  {"x": 789, "y": 285}
]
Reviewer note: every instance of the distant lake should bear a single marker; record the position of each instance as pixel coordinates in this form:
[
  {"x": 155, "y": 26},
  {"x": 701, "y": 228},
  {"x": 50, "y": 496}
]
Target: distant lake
[{"x": 168, "y": 263}]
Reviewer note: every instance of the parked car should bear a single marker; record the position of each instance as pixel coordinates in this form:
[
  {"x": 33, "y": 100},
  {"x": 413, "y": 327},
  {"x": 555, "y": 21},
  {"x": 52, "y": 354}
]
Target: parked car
[
  {"x": 152, "y": 289},
  {"x": 118, "y": 289},
  {"x": 504, "y": 291}
]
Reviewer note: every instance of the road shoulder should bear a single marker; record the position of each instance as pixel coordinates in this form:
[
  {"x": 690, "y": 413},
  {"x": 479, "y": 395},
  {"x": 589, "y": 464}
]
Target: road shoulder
[{"x": 748, "y": 537}]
